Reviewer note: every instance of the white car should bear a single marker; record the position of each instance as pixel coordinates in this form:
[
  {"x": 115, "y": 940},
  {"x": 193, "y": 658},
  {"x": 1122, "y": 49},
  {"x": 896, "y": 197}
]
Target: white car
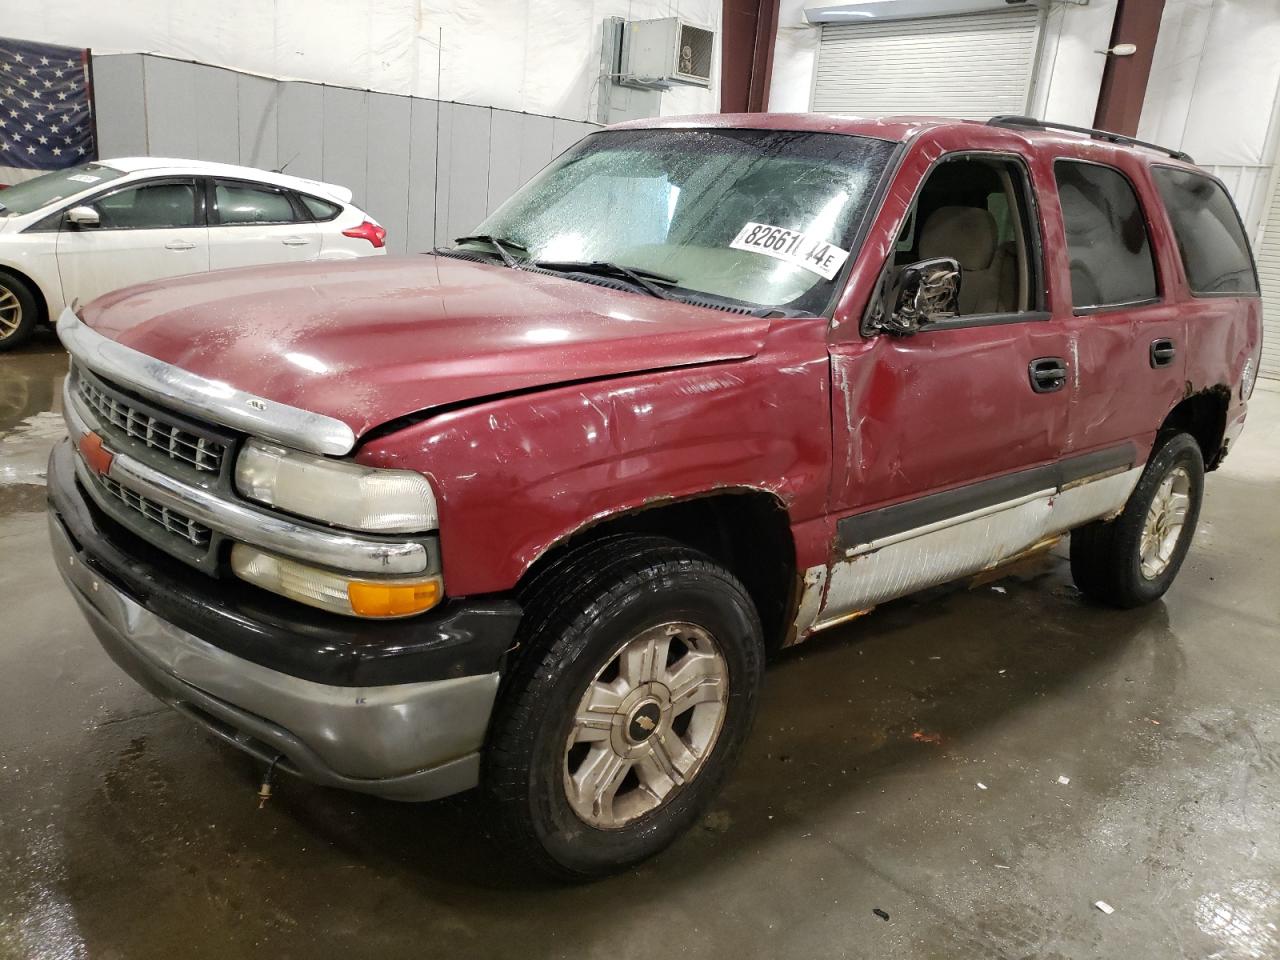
[{"x": 76, "y": 234}]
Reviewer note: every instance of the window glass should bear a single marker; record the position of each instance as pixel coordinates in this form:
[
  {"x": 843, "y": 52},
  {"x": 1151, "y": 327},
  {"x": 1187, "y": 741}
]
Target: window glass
[
  {"x": 974, "y": 210},
  {"x": 1214, "y": 250},
  {"x": 1107, "y": 240},
  {"x": 683, "y": 203},
  {"x": 241, "y": 203},
  {"x": 30, "y": 195},
  {"x": 150, "y": 206},
  {"x": 320, "y": 209}
]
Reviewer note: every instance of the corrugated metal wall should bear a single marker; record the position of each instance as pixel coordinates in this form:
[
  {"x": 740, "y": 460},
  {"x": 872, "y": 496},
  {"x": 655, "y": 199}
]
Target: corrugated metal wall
[
  {"x": 426, "y": 170},
  {"x": 1268, "y": 255}
]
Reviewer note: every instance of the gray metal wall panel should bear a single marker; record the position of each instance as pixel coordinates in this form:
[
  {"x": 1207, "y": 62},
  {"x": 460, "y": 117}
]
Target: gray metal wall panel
[
  {"x": 173, "y": 110},
  {"x": 346, "y": 139},
  {"x": 218, "y": 127},
  {"x": 565, "y": 133},
  {"x": 387, "y": 165},
  {"x": 537, "y": 144},
  {"x": 257, "y": 98},
  {"x": 464, "y": 169},
  {"x": 420, "y": 234},
  {"x": 505, "y": 148},
  {"x": 120, "y": 105},
  {"x": 299, "y": 129}
]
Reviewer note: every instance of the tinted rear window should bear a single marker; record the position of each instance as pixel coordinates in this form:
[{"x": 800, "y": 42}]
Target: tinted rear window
[
  {"x": 1214, "y": 250},
  {"x": 320, "y": 209},
  {"x": 1107, "y": 240}
]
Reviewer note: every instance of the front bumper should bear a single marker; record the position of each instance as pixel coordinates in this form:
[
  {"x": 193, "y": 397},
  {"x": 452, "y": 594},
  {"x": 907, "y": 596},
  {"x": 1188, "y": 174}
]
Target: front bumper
[{"x": 414, "y": 740}]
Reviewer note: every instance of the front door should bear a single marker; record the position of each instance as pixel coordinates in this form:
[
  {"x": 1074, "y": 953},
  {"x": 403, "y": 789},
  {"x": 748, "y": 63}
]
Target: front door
[
  {"x": 147, "y": 231},
  {"x": 948, "y": 440}
]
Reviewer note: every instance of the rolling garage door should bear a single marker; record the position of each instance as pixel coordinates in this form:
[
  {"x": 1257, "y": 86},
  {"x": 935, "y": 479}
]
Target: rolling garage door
[
  {"x": 972, "y": 67},
  {"x": 1268, "y": 254}
]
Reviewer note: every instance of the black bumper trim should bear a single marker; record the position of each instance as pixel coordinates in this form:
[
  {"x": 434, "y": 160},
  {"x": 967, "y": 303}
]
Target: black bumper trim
[{"x": 461, "y": 638}]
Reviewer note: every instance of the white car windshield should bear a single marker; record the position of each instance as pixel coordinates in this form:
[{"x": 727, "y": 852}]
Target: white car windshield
[
  {"x": 31, "y": 195},
  {"x": 761, "y": 218}
]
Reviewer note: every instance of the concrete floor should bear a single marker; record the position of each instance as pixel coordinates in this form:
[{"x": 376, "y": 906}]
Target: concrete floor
[{"x": 909, "y": 762}]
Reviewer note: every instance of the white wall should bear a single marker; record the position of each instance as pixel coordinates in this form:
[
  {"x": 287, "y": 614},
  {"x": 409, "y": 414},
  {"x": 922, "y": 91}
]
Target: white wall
[
  {"x": 1067, "y": 83},
  {"x": 1213, "y": 91},
  {"x": 535, "y": 56}
]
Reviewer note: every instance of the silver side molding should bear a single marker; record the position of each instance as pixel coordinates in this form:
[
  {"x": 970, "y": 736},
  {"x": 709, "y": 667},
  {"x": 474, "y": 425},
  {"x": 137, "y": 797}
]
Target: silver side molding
[
  {"x": 202, "y": 397},
  {"x": 270, "y": 531}
]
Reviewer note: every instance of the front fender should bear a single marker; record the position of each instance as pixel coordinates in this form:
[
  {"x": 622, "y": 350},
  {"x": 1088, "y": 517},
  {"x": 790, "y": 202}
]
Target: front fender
[{"x": 514, "y": 476}]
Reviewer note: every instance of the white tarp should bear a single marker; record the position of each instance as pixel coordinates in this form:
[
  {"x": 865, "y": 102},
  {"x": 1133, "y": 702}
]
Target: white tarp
[{"x": 536, "y": 56}]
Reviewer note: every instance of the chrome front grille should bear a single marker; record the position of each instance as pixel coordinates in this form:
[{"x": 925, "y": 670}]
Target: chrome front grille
[
  {"x": 158, "y": 434},
  {"x": 168, "y": 518}
]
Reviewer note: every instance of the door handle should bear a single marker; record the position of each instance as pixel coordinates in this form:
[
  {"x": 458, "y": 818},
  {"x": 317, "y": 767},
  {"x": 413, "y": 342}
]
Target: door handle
[
  {"x": 1048, "y": 374},
  {"x": 179, "y": 245},
  {"x": 295, "y": 241},
  {"x": 1162, "y": 352}
]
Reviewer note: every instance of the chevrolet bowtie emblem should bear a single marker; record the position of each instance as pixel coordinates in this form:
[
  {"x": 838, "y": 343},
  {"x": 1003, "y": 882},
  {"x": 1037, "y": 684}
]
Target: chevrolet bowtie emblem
[
  {"x": 645, "y": 722},
  {"x": 96, "y": 457}
]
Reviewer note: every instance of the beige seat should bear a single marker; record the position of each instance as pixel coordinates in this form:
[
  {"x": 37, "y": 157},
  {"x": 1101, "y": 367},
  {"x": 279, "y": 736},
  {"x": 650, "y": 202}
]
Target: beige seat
[{"x": 968, "y": 235}]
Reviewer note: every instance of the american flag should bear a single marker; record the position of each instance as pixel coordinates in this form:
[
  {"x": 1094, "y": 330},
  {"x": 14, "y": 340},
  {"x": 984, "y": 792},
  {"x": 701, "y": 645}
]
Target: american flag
[{"x": 46, "y": 111}]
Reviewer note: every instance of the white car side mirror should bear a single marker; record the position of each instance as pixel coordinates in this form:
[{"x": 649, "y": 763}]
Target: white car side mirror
[{"x": 83, "y": 217}]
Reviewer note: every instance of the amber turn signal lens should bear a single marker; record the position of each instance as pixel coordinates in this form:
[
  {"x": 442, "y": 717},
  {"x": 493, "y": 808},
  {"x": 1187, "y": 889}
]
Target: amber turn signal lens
[{"x": 392, "y": 599}]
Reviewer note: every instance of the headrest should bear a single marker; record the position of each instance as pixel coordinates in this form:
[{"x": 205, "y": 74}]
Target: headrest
[{"x": 966, "y": 233}]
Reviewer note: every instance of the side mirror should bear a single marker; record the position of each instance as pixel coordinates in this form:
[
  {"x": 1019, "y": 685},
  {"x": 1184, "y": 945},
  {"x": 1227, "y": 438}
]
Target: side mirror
[
  {"x": 83, "y": 217},
  {"x": 921, "y": 293}
]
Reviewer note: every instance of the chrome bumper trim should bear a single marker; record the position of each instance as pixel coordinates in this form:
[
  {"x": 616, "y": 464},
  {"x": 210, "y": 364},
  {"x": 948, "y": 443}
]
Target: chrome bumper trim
[
  {"x": 412, "y": 741},
  {"x": 258, "y": 528},
  {"x": 202, "y": 397}
]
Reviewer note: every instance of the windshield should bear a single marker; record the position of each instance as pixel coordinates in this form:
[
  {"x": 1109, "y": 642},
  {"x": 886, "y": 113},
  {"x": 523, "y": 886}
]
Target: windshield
[
  {"x": 764, "y": 218},
  {"x": 31, "y": 195}
]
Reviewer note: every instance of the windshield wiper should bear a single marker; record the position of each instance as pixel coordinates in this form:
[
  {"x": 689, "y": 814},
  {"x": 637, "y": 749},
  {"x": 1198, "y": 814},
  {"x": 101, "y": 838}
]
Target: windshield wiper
[
  {"x": 644, "y": 279},
  {"x": 498, "y": 243}
]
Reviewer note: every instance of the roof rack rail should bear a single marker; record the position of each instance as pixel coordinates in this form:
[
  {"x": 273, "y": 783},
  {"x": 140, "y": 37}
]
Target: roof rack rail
[{"x": 1034, "y": 124}]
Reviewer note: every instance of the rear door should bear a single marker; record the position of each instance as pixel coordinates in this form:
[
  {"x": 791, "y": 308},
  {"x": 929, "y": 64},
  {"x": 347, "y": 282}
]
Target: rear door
[
  {"x": 252, "y": 223},
  {"x": 147, "y": 230},
  {"x": 1128, "y": 335}
]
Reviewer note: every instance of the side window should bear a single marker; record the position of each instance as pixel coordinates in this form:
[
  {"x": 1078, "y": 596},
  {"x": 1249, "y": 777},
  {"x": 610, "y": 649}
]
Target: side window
[
  {"x": 1107, "y": 241},
  {"x": 1214, "y": 250},
  {"x": 240, "y": 203},
  {"x": 975, "y": 210},
  {"x": 149, "y": 206},
  {"x": 320, "y": 209}
]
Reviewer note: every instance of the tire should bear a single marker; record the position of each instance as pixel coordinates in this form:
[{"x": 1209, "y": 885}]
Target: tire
[
  {"x": 1108, "y": 562},
  {"x": 589, "y": 621},
  {"x": 18, "y": 312}
]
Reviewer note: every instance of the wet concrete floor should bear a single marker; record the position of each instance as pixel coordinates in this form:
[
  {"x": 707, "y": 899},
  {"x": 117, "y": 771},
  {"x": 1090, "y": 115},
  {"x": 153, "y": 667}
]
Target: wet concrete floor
[{"x": 909, "y": 763}]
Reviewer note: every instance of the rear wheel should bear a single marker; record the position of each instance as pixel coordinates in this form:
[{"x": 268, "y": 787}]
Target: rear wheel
[
  {"x": 1133, "y": 559},
  {"x": 17, "y": 311},
  {"x": 633, "y": 694}
]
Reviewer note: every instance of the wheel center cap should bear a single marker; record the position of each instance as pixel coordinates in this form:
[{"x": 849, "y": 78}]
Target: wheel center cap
[{"x": 643, "y": 721}]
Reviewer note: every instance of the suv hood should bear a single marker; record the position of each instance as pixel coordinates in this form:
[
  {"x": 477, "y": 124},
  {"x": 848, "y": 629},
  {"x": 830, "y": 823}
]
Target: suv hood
[{"x": 373, "y": 339}]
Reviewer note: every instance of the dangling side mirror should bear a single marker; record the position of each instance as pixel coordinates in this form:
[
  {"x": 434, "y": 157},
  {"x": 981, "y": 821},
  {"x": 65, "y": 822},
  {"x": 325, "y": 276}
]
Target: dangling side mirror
[{"x": 922, "y": 292}]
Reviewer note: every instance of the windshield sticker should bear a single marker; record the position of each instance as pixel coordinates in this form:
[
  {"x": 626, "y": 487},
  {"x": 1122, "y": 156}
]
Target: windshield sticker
[
  {"x": 83, "y": 178},
  {"x": 812, "y": 253}
]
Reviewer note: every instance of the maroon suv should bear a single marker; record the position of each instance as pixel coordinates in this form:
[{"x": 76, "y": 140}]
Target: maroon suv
[{"x": 528, "y": 513}]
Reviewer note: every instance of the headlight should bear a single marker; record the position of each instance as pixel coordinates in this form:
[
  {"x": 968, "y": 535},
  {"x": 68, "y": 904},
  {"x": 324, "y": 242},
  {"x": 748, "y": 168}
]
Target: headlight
[
  {"x": 339, "y": 492},
  {"x": 335, "y": 592}
]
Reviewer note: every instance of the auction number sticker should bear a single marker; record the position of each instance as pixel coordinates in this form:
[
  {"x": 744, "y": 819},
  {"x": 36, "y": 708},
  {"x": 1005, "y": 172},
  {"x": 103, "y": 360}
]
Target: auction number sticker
[
  {"x": 84, "y": 178},
  {"x": 791, "y": 246}
]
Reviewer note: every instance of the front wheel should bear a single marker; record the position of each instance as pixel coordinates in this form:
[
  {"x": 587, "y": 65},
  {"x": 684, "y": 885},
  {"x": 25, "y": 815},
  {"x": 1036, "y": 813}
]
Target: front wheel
[
  {"x": 17, "y": 312},
  {"x": 1133, "y": 559},
  {"x": 633, "y": 694}
]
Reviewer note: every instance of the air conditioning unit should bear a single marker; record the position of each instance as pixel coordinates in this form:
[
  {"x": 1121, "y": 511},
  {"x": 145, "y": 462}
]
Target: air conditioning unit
[{"x": 659, "y": 53}]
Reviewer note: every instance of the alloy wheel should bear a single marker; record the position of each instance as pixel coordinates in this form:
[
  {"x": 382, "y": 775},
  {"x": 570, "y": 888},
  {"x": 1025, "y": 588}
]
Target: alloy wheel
[
  {"x": 1165, "y": 519},
  {"x": 10, "y": 313},
  {"x": 645, "y": 725}
]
